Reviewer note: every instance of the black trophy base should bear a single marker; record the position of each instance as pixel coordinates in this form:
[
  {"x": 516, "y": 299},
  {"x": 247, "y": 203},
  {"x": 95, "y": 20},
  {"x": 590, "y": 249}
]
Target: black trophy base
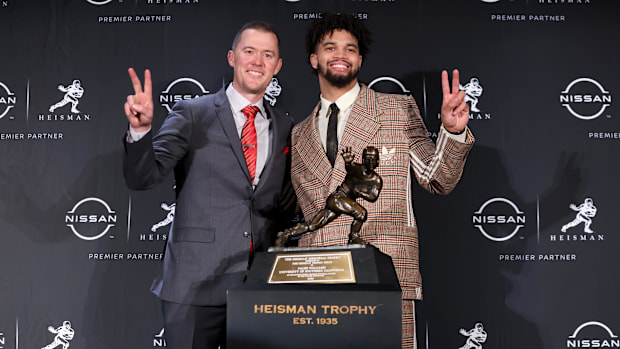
[{"x": 364, "y": 314}]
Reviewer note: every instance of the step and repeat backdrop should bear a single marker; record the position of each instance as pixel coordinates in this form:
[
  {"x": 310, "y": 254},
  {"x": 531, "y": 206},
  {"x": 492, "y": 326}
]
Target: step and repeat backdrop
[{"x": 523, "y": 254}]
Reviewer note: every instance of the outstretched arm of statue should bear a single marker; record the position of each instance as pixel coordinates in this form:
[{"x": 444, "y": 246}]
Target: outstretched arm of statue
[{"x": 347, "y": 156}]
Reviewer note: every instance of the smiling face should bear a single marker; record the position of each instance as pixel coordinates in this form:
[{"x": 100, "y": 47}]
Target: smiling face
[
  {"x": 337, "y": 59},
  {"x": 255, "y": 59}
]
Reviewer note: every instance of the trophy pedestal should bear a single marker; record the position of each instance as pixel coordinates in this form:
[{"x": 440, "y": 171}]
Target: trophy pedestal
[{"x": 305, "y": 298}]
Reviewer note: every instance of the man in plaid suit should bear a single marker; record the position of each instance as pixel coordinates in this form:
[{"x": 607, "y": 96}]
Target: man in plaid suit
[{"x": 392, "y": 124}]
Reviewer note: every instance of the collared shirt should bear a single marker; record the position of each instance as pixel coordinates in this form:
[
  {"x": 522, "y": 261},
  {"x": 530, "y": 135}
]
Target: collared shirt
[
  {"x": 262, "y": 123},
  {"x": 345, "y": 105}
]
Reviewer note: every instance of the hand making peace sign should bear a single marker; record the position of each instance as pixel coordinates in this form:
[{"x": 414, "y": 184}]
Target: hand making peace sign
[
  {"x": 454, "y": 110},
  {"x": 139, "y": 106}
]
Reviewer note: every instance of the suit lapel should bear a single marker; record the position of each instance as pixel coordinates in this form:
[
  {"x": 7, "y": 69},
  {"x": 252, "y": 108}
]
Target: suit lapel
[
  {"x": 311, "y": 151},
  {"x": 224, "y": 114},
  {"x": 361, "y": 128},
  {"x": 277, "y": 143},
  {"x": 362, "y": 125}
]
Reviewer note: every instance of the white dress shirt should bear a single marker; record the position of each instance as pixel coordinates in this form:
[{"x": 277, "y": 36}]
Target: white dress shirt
[{"x": 345, "y": 105}]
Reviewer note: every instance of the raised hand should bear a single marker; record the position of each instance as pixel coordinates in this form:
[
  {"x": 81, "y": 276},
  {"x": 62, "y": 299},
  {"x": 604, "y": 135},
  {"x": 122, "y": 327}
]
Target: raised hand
[
  {"x": 139, "y": 106},
  {"x": 347, "y": 155},
  {"x": 454, "y": 110}
]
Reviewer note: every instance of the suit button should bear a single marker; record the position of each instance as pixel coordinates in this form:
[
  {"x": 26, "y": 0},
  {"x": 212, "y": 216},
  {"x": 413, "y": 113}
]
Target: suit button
[{"x": 246, "y": 234}]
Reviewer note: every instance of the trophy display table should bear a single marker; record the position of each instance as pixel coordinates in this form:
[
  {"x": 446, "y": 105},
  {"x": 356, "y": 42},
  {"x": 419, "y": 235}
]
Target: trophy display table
[{"x": 323, "y": 297}]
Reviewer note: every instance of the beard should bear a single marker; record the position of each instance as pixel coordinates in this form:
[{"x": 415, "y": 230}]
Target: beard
[{"x": 338, "y": 80}]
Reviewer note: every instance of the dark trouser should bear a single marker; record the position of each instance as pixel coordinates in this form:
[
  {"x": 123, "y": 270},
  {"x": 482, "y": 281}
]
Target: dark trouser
[{"x": 194, "y": 327}]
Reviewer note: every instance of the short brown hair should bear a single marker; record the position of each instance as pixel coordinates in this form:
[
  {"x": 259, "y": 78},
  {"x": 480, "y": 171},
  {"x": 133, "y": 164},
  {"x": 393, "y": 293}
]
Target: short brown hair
[{"x": 257, "y": 25}]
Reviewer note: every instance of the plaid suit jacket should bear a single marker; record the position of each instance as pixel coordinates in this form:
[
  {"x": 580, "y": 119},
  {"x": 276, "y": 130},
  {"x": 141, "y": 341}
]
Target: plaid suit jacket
[{"x": 392, "y": 124}]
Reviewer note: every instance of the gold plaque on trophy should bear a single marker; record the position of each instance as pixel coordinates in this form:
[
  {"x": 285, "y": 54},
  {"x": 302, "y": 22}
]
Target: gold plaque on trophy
[{"x": 303, "y": 268}]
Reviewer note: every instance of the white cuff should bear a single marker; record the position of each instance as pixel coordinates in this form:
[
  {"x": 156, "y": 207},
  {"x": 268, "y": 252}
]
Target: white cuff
[{"x": 133, "y": 136}]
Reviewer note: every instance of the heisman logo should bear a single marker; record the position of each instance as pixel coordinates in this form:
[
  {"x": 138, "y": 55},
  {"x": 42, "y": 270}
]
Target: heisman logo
[
  {"x": 273, "y": 91},
  {"x": 475, "y": 337},
  {"x": 473, "y": 90},
  {"x": 73, "y": 93},
  {"x": 64, "y": 334},
  {"x": 169, "y": 217},
  {"x": 585, "y": 212}
]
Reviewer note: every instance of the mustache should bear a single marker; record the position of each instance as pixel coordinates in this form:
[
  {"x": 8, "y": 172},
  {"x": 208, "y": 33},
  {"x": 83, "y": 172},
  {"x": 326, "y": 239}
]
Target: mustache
[{"x": 340, "y": 61}]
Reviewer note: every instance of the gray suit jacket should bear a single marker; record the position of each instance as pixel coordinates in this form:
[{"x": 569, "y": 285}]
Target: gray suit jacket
[{"x": 217, "y": 211}]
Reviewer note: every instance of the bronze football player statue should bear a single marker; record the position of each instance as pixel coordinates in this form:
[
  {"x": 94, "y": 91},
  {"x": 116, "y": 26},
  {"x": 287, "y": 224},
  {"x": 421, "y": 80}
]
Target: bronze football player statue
[{"x": 361, "y": 181}]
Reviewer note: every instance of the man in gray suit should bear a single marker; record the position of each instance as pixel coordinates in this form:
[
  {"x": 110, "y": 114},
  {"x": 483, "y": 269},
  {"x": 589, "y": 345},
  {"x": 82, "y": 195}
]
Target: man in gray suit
[{"x": 226, "y": 206}]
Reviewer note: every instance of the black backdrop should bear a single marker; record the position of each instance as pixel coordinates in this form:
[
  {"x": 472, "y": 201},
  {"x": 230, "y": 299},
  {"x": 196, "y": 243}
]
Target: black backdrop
[{"x": 77, "y": 246}]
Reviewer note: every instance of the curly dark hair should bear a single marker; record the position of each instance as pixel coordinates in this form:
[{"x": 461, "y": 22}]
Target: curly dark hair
[{"x": 328, "y": 22}]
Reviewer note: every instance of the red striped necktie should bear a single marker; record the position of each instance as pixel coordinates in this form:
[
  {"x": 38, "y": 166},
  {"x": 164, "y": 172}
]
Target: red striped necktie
[{"x": 248, "y": 139}]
